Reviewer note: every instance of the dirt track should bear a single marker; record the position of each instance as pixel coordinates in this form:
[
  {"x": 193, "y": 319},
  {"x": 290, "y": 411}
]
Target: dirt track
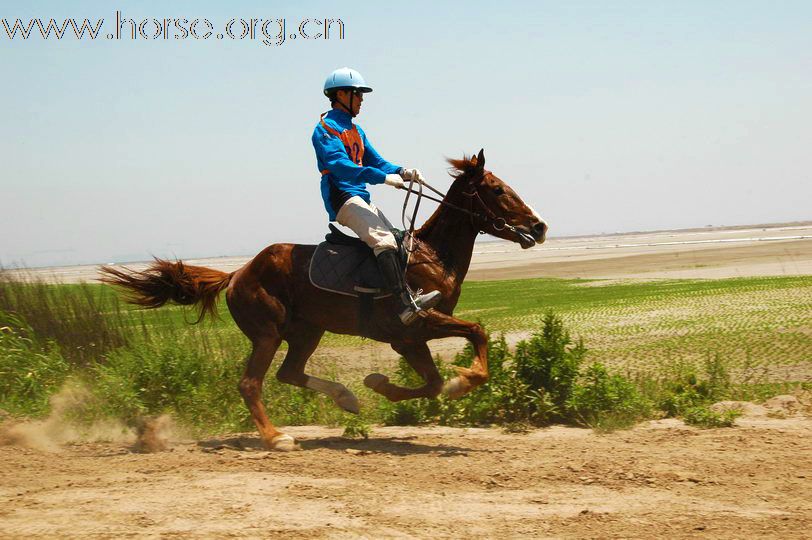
[{"x": 660, "y": 480}]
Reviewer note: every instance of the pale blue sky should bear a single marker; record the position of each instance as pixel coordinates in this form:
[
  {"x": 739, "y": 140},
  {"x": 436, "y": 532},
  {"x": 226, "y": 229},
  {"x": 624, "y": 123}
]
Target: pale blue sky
[{"x": 605, "y": 116}]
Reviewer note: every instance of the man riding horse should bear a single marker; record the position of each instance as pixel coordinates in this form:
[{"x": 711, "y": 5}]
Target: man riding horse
[
  {"x": 348, "y": 162},
  {"x": 271, "y": 298}
]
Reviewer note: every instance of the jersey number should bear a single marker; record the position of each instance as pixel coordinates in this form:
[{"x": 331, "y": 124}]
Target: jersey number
[{"x": 354, "y": 153}]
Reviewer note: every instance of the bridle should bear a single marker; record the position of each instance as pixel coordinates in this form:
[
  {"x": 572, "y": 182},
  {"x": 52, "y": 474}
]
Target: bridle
[{"x": 490, "y": 219}]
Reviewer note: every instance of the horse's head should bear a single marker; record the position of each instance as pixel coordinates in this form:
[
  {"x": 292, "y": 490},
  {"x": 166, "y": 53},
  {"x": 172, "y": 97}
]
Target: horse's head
[{"x": 499, "y": 210}]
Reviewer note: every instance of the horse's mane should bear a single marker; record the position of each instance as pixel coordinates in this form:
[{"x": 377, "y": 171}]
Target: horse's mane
[
  {"x": 459, "y": 167},
  {"x": 460, "y": 170}
]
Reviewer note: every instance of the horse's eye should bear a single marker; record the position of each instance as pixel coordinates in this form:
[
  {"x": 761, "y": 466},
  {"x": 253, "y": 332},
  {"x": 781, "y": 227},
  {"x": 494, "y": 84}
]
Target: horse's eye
[{"x": 498, "y": 190}]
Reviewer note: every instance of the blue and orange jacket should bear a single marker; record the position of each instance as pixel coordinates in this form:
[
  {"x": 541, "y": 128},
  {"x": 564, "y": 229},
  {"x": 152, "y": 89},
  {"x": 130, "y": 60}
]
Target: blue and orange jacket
[{"x": 346, "y": 160}]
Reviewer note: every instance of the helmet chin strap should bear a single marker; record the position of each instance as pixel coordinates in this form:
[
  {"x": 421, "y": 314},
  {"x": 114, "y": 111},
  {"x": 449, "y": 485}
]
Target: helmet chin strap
[{"x": 349, "y": 110}]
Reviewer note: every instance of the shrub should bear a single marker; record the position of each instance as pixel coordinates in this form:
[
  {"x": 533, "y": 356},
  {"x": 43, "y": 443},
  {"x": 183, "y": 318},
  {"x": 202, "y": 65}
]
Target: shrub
[
  {"x": 549, "y": 364},
  {"x": 606, "y": 401},
  {"x": 685, "y": 387},
  {"x": 355, "y": 428},
  {"x": 537, "y": 385},
  {"x": 705, "y": 417}
]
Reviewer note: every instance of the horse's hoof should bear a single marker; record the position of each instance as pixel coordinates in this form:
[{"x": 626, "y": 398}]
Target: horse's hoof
[
  {"x": 455, "y": 388},
  {"x": 375, "y": 381},
  {"x": 283, "y": 443},
  {"x": 347, "y": 401}
]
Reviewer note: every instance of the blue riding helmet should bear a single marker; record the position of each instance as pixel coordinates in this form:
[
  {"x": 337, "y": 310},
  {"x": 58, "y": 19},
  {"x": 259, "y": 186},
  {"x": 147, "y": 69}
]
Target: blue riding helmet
[{"x": 345, "y": 78}]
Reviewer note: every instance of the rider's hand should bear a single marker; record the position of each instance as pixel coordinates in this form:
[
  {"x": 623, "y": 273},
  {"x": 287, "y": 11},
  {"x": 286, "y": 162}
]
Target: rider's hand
[
  {"x": 394, "y": 180},
  {"x": 412, "y": 174}
]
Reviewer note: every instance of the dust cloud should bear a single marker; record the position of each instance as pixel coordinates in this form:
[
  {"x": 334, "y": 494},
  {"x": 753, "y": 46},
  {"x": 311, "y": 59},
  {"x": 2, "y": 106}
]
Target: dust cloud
[{"x": 64, "y": 426}]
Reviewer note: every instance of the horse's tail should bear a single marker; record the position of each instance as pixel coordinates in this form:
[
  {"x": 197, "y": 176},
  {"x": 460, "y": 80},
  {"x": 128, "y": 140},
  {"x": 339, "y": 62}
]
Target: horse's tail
[{"x": 165, "y": 281}]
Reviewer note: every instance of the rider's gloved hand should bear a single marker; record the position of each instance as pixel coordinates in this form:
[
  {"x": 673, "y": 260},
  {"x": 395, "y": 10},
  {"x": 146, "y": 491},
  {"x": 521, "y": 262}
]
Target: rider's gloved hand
[
  {"x": 394, "y": 180},
  {"x": 411, "y": 174}
]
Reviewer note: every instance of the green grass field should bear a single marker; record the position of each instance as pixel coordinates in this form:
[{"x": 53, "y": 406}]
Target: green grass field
[
  {"x": 763, "y": 321},
  {"x": 144, "y": 362},
  {"x": 634, "y": 324}
]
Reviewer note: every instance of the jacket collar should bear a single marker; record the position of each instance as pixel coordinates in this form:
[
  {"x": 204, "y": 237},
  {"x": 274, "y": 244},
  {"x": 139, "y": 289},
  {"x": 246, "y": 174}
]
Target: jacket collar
[{"x": 342, "y": 118}]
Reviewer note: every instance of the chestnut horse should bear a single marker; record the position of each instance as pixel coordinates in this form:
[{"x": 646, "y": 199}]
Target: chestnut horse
[{"x": 271, "y": 298}]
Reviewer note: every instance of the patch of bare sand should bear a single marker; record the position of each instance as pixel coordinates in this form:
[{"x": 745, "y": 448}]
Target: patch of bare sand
[
  {"x": 662, "y": 479},
  {"x": 715, "y": 261}
]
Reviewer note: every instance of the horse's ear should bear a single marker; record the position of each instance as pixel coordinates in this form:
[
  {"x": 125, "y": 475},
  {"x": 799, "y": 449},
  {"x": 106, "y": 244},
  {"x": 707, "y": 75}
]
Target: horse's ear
[
  {"x": 473, "y": 159},
  {"x": 480, "y": 159}
]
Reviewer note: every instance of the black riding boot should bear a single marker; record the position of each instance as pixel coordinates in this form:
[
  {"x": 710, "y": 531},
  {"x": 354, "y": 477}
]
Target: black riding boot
[{"x": 389, "y": 264}]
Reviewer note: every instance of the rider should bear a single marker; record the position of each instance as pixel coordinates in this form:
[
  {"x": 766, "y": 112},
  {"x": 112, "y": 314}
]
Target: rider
[{"x": 347, "y": 162}]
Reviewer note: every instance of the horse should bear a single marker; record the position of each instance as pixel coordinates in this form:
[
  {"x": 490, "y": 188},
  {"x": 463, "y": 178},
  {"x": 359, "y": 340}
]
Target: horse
[{"x": 272, "y": 299}]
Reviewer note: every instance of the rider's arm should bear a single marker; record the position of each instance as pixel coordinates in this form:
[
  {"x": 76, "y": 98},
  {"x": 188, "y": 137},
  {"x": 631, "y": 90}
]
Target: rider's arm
[
  {"x": 332, "y": 155},
  {"x": 373, "y": 159}
]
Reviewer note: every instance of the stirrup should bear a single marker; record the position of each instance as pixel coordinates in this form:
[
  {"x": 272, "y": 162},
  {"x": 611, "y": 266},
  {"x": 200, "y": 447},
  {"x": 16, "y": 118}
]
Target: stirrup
[{"x": 409, "y": 315}]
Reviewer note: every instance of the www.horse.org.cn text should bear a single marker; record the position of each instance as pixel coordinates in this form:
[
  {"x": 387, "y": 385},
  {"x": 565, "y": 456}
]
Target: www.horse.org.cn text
[{"x": 272, "y": 32}]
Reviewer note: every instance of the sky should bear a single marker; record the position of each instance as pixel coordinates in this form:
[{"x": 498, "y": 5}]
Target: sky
[{"x": 604, "y": 116}]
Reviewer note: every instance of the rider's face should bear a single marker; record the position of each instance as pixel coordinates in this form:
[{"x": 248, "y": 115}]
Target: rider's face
[{"x": 344, "y": 98}]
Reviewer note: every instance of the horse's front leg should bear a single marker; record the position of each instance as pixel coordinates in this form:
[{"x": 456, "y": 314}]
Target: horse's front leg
[
  {"x": 440, "y": 325},
  {"x": 418, "y": 356}
]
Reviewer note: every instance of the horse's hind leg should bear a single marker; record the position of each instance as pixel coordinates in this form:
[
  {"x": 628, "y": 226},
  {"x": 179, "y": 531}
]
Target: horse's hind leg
[
  {"x": 302, "y": 340},
  {"x": 419, "y": 357},
  {"x": 251, "y": 389}
]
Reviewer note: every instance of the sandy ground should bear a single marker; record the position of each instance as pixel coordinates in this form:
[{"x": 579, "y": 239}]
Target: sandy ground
[
  {"x": 662, "y": 479},
  {"x": 763, "y": 250}
]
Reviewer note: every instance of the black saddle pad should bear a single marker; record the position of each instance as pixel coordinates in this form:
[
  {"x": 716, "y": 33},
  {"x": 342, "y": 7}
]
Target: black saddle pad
[
  {"x": 346, "y": 265},
  {"x": 346, "y": 269}
]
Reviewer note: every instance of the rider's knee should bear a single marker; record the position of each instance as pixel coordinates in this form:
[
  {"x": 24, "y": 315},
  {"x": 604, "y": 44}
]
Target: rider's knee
[{"x": 382, "y": 241}]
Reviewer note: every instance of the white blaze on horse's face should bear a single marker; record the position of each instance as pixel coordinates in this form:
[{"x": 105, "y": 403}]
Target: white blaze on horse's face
[
  {"x": 522, "y": 224},
  {"x": 540, "y": 222}
]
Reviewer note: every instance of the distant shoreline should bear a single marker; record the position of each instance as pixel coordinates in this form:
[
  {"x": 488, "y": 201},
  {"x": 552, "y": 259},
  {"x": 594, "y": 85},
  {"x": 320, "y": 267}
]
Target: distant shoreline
[{"x": 40, "y": 269}]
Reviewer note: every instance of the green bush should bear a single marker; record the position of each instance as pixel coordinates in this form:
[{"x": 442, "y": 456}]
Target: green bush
[
  {"x": 355, "y": 428},
  {"x": 540, "y": 384},
  {"x": 549, "y": 364},
  {"x": 684, "y": 387},
  {"x": 503, "y": 399},
  {"x": 707, "y": 418},
  {"x": 606, "y": 401}
]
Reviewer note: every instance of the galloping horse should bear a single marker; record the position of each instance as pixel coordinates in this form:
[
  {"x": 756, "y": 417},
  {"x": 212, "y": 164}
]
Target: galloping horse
[{"x": 272, "y": 299}]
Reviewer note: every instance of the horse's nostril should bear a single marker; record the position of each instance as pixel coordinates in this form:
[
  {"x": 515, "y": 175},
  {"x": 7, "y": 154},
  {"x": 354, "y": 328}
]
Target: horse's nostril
[{"x": 540, "y": 228}]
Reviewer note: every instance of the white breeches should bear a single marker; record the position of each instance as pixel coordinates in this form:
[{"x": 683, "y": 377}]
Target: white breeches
[{"x": 368, "y": 223}]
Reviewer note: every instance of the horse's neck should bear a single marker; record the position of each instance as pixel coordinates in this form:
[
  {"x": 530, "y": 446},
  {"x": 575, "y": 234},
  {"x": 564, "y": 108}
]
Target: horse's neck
[{"x": 451, "y": 235}]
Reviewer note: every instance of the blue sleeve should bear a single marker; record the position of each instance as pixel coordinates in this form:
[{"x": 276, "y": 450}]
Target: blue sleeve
[
  {"x": 333, "y": 157},
  {"x": 373, "y": 159}
]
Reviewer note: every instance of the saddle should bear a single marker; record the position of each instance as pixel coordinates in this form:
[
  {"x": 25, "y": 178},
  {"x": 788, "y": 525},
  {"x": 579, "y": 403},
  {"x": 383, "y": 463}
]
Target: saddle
[{"x": 345, "y": 265}]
